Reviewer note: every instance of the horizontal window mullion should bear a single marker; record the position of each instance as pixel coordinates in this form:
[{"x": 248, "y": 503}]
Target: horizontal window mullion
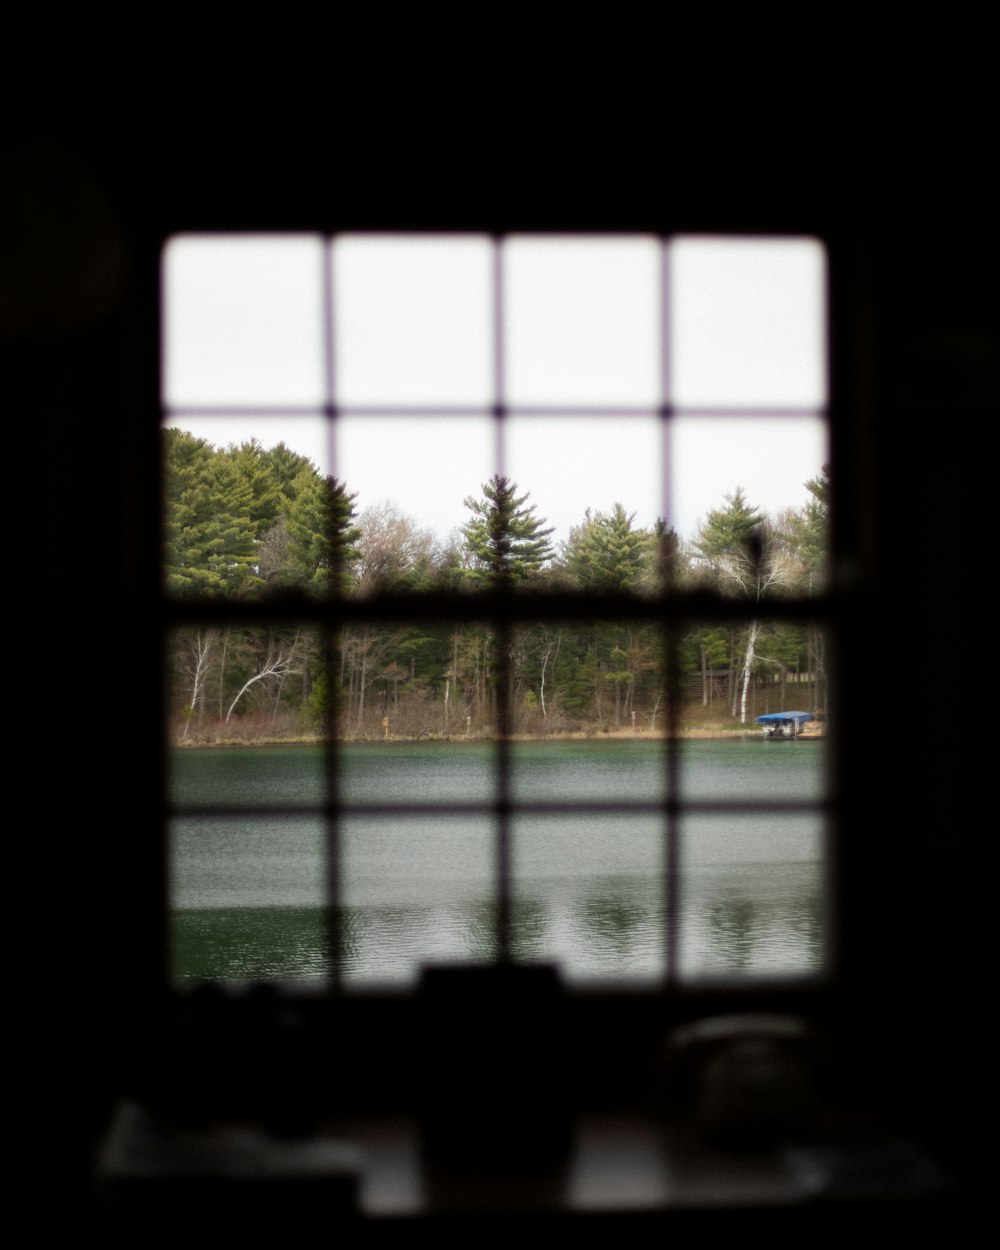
[
  {"x": 485, "y": 608},
  {"x": 583, "y": 807}
]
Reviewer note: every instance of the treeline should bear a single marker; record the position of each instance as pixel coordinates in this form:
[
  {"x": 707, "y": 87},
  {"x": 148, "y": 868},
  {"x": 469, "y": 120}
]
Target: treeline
[{"x": 246, "y": 522}]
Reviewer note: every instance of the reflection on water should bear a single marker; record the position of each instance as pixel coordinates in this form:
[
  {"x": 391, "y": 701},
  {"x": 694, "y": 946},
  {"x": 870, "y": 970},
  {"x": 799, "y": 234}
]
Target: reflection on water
[
  {"x": 756, "y": 921},
  {"x": 588, "y": 887}
]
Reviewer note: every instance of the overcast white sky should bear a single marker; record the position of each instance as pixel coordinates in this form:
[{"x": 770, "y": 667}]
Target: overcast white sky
[{"x": 585, "y": 325}]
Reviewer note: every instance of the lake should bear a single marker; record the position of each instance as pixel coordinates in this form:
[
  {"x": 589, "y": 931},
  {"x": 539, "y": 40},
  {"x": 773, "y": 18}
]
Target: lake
[{"x": 250, "y": 866}]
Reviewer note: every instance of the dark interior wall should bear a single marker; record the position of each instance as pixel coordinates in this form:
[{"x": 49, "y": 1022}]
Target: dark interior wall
[{"x": 115, "y": 128}]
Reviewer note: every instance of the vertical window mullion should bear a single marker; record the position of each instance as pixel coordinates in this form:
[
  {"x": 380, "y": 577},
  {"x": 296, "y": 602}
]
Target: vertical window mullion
[
  {"x": 503, "y": 633},
  {"x": 329, "y": 623},
  {"x": 671, "y": 815}
]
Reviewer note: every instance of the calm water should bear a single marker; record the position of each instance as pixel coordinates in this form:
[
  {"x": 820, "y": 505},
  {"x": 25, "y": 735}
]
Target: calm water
[{"x": 248, "y": 887}]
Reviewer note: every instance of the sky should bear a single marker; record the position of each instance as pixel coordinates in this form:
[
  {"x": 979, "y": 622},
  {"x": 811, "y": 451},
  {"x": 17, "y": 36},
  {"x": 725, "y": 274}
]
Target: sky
[{"x": 596, "y": 336}]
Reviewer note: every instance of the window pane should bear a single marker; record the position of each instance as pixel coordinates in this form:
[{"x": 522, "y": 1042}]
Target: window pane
[
  {"x": 767, "y": 472},
  {"x": 572, "y": 464},
  {"x": 247, "y": 895},
  {"x": 747, "y": 322},
  {"x": 752, "y": 894},
  {"x": 416, "y": 470},
  {"x": 240, "y": 684},
  {"x": 248, "y": 776},
  {"x": 418, "y": 888},
  {"x": 243, "y": 320},
  {"x": 413, "y": 319},
  {"x": 627, "y": 768},
  {"x": 732, "y": 674},
  {"x": 589, "y": 893},
  {"x": 582, "y": 320},
  {"x": 402, "y": 773}
]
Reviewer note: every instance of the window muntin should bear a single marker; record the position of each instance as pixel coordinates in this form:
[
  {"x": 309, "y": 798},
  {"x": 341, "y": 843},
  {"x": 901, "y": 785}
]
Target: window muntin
[{"x": 408, "y": 361}]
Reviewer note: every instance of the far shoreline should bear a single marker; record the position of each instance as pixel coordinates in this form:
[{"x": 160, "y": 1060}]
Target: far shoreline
[{"x": 612, "y": 735}]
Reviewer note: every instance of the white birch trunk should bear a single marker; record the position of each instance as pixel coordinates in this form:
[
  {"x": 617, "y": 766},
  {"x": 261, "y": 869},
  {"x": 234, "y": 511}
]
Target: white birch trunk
[{"x": 748, "y": 660}]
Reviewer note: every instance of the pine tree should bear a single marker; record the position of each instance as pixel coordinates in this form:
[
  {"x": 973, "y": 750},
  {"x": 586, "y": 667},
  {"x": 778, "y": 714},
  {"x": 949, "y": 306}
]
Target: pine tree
[
  {"x": 727, "y": 535},
  {"x": 506, "y": 542},
  {"x": 210, "y": 540},
  {"x": 606, "y": 553},
  {"x": 322, "y": 535},
  {"x": 745, "y": 556},
  {"x": 808, "y": 532}
]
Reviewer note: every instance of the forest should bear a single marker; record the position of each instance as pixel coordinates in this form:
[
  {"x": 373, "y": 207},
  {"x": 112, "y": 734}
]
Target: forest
[{"x": 246, "y": 523}]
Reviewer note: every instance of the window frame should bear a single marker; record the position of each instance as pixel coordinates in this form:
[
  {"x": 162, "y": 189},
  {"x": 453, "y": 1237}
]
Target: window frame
[{"x": 604, "y": 1013}]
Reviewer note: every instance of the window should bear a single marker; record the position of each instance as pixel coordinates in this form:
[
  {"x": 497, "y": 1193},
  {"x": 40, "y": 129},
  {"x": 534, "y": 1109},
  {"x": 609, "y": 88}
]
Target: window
[{"x": 502, "y": 771}]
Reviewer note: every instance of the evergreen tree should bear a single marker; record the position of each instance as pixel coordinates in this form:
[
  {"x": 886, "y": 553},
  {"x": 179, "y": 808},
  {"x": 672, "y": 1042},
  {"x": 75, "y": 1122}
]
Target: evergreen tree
[
  {"x": 605, "y": 553},
  {"x": 808, "y": 532},
  {"x": 285, "y": 468},
  {"x": 209, "y": 535},
  {"x": 505, "y": 541},
  {"x": 745, "y": 556},
  {"x": 666, "y": 567},
  {"x": 322, "y": 535},
  {"x": 250, "y": 460},
  {"x": 727, "y": 536},
  {"x": 819, "y": 488}
]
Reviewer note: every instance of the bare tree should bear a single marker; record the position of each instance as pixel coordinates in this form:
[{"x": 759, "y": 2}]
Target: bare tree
[{"x": 279, "y": 660}]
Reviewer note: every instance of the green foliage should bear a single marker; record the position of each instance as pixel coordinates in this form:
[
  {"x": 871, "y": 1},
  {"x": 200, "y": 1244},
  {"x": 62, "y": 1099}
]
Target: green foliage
[
  {"x": 242, "y": 520},
  {"x": 321, "y": 533},
  {"x": 666, "y": 555},
  {"x": 741, "y": 552},
  {"x": 246, "y": 522},
  {"x": 251, "y": 462},
  {"x": 505, "y": 541},
  {"x": 606, "y": 553},
  {"x": 809, "y": 532},
  {"x": 322, "y": 702},
  {"x": 209, "y": 536},
  {"x": 820, "y": 488},
  {"x": 729, "y": 529}
]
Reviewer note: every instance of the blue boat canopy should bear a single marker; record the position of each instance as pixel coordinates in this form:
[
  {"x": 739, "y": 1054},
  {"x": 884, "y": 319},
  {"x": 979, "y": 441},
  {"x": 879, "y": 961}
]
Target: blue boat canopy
[{"x": 777, "y": 718}]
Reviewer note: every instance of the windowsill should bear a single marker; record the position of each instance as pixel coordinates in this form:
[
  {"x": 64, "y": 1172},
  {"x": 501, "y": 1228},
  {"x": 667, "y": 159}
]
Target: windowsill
[{"x": 618, "y": 1164}]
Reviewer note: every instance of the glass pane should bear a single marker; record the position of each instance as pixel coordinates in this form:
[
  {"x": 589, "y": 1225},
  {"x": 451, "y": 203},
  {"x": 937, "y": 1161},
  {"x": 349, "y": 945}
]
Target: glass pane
[
  {"x": 582, "y": 320},
  {"x": 251, "y": 777},
  {"x": 745, "y": 768},
  {"x": 628, "y": 768},
  {"x": 747, "y": 322},
  {"x": 413, "y": 319},
  {"x": 733, "y": 475},
  {"x": 752, "y": 894},
  {"x": 410, "y": 476},
  {"x": 404, "y": 773},
  {"x": 245, "y": 685},
  {"x": 587, "y": 680},
  {"x": 745, "y": 685},
  {"x": 417, "y": 888},
  {"x": 246, "y": 893},
  {"x": 588, "y": 892},
  {"x": 243, "y": 320},
  {"x": 245, "y": 516},
  {"x": 418, "y": 680},
  {"x": 573, "y": 465}
]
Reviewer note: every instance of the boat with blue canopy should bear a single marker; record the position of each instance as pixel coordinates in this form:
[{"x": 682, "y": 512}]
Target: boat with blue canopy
[{"x": 790, "y": 726}]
